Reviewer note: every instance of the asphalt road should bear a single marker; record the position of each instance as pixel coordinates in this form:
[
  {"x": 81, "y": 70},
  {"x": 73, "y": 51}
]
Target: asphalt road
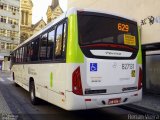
[{"x": 15, "y": 104}]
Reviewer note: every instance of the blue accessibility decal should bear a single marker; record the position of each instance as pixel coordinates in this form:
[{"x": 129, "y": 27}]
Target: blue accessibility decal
[{"x": 93, "y": 67}]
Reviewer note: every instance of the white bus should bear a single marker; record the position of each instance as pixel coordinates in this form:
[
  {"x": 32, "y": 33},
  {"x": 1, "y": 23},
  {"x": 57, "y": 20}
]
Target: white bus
[{"x": 84, "y": 59}]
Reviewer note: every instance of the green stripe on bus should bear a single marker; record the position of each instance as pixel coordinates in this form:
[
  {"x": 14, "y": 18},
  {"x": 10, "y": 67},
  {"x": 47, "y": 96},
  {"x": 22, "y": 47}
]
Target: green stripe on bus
[
  {"x": 51, "y": 79},
  {"x": 140, "y": 50},
  {"x": 74, "y": 53}
]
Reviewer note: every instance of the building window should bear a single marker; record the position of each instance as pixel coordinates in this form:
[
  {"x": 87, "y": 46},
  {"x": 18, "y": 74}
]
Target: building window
[
  {"x": 2, "y": 32},
  {"x": 24, "y": 17},
  {"x": 13, "y": 9},
  {"x": 3, "y": 6},
  {"x": 3, "y": 19},
  {"x": 9, "y": 47},
  {"x": 14, "y": 46},
  {"x": 8, "y": 33},
  {"x": 12, "y": 21},
  {"x": 12, "y": 34},
  {"x": 49, "y": 20},
  {"x": 2, "y": 45}
]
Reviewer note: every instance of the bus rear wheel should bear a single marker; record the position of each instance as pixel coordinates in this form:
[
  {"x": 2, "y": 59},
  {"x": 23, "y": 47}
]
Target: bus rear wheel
[{"x": 34, "y": 99}]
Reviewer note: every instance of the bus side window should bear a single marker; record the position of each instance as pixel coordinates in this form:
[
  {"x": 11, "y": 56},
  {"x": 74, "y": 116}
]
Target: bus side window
[
  {"x": 29, "y": 52},
  {"x": 58, "y": 49},
  {"x": 17, "y": 56},
  {"x": 51, "y": 39},
  {"x": 35, "y": 48},
  {"x": 25, "y": 54},
  {"x": 14, "y": 57},
  {"x": 64, "y": 38},
  {"x": 60, "y": 40},
  {"x": 43, "y": 47},
  {"x": 20, "y": 55}
]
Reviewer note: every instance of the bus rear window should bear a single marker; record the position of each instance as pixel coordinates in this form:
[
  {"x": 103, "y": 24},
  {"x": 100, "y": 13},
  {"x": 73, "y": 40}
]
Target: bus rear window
[{"x": 102, "y": 29}]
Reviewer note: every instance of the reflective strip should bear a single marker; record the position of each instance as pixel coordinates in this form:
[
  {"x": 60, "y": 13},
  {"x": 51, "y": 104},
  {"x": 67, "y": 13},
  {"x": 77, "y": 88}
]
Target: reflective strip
[
  {"x": 51, "y": 79},
  {"x": 139, "y": 57},
  {"x": 74, "y": 53}
]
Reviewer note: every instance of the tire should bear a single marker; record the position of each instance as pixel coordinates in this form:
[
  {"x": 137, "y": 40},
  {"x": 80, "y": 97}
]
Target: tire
[{"x": 33, "y": 98}]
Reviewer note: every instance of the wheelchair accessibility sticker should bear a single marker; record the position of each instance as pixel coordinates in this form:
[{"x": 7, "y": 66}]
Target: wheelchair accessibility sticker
[{"x": 93, "y": 67}]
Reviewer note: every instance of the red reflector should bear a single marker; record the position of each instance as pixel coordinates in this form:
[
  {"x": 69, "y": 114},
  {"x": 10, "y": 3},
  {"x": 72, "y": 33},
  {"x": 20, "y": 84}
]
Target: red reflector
[{"x": 87, "y": 100}]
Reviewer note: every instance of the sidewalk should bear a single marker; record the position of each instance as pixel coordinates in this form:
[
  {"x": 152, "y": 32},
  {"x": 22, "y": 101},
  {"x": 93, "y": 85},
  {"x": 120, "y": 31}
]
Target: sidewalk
[
  {"x": 150, "y": 101},
  {"x": 150, "y": 104},
  {"x": 5, "y": 73}
]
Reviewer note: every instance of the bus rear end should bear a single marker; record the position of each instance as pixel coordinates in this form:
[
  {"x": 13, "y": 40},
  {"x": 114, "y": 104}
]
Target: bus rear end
[{"x": 111, "y": 72}]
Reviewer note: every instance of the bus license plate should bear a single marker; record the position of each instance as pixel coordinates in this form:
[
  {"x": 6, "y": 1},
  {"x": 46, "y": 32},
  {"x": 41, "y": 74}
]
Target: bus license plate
[{"x": 114, "y": 101}]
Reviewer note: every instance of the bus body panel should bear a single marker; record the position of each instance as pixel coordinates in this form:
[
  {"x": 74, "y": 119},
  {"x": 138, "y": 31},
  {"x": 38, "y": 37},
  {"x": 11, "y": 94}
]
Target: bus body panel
[
  {"x": 114, "y": 76},
  {"x": 41, "y": 74}
]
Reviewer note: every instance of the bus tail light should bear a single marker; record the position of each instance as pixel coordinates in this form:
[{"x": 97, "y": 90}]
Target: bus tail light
[
  {"x": 76, "y": 82},
  {"x": 140, "y": 79}
]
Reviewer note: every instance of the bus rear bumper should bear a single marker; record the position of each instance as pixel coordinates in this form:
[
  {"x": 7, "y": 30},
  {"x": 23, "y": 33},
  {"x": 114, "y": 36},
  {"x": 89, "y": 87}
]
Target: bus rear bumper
[
  {"x": 76, "y": 102},
  {"x": 107, "y": 100}
]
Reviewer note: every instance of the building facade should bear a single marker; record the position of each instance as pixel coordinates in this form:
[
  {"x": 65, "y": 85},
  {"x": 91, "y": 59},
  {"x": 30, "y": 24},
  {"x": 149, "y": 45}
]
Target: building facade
[
  {"x": 9, "y": 26},
  {"x": 53, "y": 11},
  {"x": 27, "y": 28},
  {"x": 26, "y": 19}
]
